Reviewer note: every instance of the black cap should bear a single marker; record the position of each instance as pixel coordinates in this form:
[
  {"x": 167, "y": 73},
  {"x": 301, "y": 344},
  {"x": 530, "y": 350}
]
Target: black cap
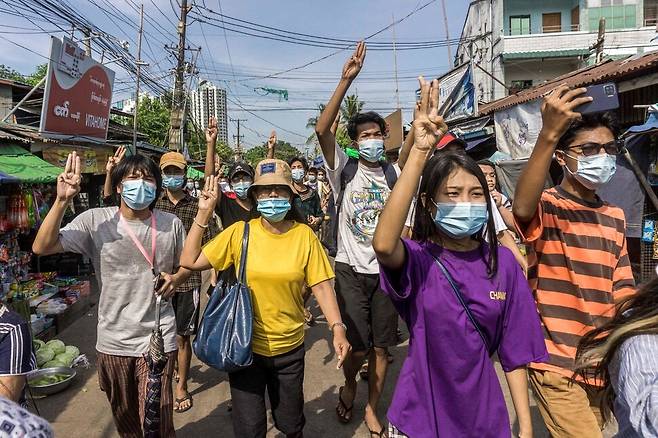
[{"x": 240, "y": 167}]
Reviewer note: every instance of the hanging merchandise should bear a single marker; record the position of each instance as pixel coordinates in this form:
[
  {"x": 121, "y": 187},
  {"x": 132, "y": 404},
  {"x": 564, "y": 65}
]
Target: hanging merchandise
[{"x": 648, "y": 231}]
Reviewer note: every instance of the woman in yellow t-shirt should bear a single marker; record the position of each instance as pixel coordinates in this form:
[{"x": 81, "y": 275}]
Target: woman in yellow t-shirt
[{"x": 283, "y": 255}]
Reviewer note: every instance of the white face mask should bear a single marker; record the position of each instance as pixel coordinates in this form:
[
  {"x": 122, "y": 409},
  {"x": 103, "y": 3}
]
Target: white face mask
[
  {"x": 595, "y": 170},
  {"x": 372, "y": 149}
]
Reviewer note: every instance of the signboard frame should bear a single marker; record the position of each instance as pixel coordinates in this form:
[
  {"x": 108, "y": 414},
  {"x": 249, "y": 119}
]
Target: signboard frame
[
  {"x": 454, "y": 87},
  {"x": 77, "y": 96}
]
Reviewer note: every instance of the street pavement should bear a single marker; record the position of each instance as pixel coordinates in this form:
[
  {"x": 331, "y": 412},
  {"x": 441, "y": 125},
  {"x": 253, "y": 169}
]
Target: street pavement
[{"x": 83, "y": 411}]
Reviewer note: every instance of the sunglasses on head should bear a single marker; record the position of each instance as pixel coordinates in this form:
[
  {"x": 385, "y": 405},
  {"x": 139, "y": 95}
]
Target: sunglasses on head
[{"x": 589, "y": 149}]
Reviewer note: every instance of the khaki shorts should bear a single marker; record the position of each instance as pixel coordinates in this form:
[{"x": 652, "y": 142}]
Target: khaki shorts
[{"x": 569, "y": 409}]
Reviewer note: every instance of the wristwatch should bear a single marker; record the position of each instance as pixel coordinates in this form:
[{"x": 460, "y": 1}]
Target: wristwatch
[{"x": 340, "y": 323}]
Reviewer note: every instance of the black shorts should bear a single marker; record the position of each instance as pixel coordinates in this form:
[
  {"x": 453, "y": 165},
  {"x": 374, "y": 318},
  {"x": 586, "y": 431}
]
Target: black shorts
[
  {"x": 283, "y": 378},
  {"x": 186, "y": 308},
  {"x": 369, "y": 315}
]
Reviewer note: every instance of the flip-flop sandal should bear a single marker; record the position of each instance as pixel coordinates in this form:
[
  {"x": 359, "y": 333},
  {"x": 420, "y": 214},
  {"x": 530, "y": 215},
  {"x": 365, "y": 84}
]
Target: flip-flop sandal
[
  {"x": 346, "y": 416},
  {"x": 180, "y": 401},
  {"x": 363, "y": 372},
  {"x": 381, "y": 434}
]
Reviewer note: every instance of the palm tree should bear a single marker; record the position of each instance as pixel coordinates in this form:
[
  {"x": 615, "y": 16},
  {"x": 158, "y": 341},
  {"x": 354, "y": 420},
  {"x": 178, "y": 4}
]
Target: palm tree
[
  {"x": 351, "y": 107},
  {"x": 312, "y": 121}
]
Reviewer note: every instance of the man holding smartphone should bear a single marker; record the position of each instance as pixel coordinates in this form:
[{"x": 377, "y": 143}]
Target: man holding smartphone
[{"x": 579, "y": 267}]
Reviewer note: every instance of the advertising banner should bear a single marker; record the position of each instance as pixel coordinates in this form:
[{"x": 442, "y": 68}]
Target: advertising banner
[
  {"x": 78, "y": 94},
  {"x": 92, "y": 160},
  {"x": 457, "y": 94}
]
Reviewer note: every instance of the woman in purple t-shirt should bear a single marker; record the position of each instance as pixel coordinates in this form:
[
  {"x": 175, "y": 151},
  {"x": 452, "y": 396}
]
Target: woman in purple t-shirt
[{"x": 448, "y": 385}]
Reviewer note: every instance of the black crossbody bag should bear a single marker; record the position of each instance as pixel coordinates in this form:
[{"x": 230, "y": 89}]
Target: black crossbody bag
[{"x": 461, "y": 300}]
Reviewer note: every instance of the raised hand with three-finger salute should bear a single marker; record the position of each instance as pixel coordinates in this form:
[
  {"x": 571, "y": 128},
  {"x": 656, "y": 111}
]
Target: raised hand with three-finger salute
[
  {"x": 113, "y": 160},
  {"x": 271, "y": 144},
  {"x": 353, "y": 65},
  {"x": 429, "y": 127},
  {"x": 68, "y": 182},
  {"x": 209, "y": 195},
  {"x": 211, "y": 130}
]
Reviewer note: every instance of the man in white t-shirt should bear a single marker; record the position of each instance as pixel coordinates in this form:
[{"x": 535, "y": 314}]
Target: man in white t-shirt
[
  {"x": 360, "y": 189},
  {"x": 131, "y": 247}
]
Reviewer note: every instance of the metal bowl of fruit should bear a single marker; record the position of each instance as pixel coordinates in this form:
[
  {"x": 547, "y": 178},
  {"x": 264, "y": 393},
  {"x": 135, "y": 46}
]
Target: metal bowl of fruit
[{"x": 49, "y": 381}]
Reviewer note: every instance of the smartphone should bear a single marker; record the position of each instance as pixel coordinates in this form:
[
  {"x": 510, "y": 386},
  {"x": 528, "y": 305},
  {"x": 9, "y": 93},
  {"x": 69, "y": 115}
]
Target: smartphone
[{"x": 605, "y": 99}]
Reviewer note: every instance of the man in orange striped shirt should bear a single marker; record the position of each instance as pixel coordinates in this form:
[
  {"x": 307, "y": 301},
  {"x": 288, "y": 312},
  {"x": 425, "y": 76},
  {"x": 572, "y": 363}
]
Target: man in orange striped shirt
[{"x": 579, "y": 266}]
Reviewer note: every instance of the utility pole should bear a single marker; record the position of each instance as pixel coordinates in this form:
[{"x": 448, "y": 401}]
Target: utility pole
[
  {"x": 139, "y": 64},
  {"x": 191, "y": 70},
  {"x": 176, "y": 121},
  {"x": 87, "y": 41},
  {"x": 395, "y": 61},
  {"x": 238, "y": 148},
  {"x": 600, "y": 41},
  {"x": 445, "y": 23}
]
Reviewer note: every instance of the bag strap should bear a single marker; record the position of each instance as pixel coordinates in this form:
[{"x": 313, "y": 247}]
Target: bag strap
[
  {"x": 149, "y": 259},
  {"x": 461, "y": 300},
  {"x": 242, "y": 272},
  {"x": 390, "y": 174}
]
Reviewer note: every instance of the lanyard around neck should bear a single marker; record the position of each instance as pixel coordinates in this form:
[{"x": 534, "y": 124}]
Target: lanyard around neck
[{"x": 138, "y": 244}]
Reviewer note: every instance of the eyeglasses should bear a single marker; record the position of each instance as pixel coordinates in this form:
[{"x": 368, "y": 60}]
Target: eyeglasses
[{"x": 589, "y": 149}]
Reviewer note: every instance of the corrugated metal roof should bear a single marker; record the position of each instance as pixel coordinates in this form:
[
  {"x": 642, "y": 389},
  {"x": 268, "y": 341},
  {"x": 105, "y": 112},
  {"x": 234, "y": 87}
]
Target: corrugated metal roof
[
  {"x": 4, "y": 135},
  {"x": 606, "y": 71}
]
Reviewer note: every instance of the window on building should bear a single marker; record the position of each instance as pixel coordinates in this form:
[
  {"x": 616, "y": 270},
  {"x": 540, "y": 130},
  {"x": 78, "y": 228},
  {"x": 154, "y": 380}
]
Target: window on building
[
  {"x": 650, "y": 12},
  {"x": 551, "y": 22},
  {"x": 617, "y": 16},
  {"x": 519, "y": 25},
  {"x": 519, "y": 85}
]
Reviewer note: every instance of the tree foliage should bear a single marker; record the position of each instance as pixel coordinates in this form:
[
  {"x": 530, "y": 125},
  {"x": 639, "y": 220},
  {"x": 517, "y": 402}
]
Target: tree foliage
[
  {"x": 351, "y": 107},
  {"x": 153, "y": 120},
  {"x": 32, "y": 79},
  {"x": 284, "y": 151}
]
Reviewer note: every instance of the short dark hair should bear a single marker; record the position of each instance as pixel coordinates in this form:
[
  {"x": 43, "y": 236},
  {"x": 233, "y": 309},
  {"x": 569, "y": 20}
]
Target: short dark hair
[
  {"x": 589, "y": 122},
  {"x": 313, "y": 170},
  {"x": 134, "y": 163},
  {"x": 486, "y": 163},
  {"x": 362, "y": 118},
  {"x": 437, "y": 169},
  {"x": 299, "y": 159}
]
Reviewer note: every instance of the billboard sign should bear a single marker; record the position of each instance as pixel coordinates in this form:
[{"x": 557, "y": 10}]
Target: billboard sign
[
  {"x": 78, "y": 94},
  {"x": 457, "y": 94}
]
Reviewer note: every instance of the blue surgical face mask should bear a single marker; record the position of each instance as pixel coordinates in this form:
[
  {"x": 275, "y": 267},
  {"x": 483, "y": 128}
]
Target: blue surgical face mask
[
  {"x": 461, "y": 219},
  {"x": 595, "y": 170},
  {"x": 138, "y": 194},
  {"x": 173, "y": 182},
  {"x": 371, "y": 150},
  {"x": 298, "y": 174},
  {"x": 241, "y": 189},
  {"x": 274, "y": 209}
]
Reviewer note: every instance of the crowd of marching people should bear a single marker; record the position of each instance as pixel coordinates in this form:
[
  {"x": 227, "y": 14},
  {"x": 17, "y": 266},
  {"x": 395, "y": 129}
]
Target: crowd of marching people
[{"x": 428, "y": 239}]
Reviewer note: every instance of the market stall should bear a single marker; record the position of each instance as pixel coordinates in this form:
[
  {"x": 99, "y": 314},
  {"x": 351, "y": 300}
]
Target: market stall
[{"x": 49, "y": 300}]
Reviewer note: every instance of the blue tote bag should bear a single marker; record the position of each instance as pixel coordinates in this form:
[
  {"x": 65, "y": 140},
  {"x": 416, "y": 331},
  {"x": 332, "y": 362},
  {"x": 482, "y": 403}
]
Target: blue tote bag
[{"x": 224, "y": 338}]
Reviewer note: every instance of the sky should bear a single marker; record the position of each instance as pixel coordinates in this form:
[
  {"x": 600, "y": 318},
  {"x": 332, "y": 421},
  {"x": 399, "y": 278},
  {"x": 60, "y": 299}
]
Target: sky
[{"x": 238, "y": 62}]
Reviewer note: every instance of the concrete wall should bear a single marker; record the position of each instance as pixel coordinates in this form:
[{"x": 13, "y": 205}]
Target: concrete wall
[
  {"x": 538, "y": 71},
  {"x": 535, "y": 9},
  {"x": 485, "y": 22}
]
